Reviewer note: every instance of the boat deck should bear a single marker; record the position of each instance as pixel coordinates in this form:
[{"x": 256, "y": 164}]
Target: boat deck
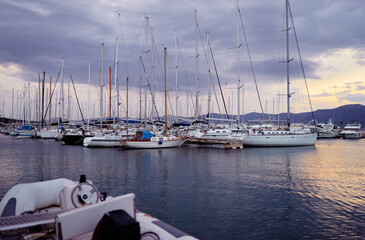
[{"x": 23, "y": 224}]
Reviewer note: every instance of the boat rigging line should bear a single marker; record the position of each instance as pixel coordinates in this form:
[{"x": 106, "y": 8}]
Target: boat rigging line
[
  {"x": 301, "y": 61},
  {"x": 77, "y": 99},
  {"x": 251, "y": 65}
]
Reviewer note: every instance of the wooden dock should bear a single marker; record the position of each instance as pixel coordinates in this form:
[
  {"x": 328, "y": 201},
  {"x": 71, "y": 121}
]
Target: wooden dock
[{"x": 217, "y": 143}]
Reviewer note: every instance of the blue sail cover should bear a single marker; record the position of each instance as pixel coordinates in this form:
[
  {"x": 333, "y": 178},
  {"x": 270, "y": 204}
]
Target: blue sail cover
[
  {"x": 27, "y": 127},
  {"x": 146, "y": 135}
]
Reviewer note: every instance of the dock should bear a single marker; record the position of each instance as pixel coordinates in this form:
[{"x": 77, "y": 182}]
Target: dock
[{"x": 217, "y": 143}]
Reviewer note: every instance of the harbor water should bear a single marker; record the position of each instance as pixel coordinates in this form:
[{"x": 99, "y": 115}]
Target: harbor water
[{"x": 251, "y": 193}]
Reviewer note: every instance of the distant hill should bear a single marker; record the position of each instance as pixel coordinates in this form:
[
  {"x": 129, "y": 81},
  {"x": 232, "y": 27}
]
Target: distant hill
[{"x": 341, "y": 114}]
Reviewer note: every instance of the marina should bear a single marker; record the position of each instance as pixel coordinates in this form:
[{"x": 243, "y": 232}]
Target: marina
[
  {"x": 182, "y": 120},
  {"x": 264, "y": 193}
]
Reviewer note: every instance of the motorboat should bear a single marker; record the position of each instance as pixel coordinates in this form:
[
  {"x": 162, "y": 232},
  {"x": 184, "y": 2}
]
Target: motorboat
[
  {"x": 328, "y": 130},
  {"x": 352, "y": 130},
  {"x": 64, "y": 209}
]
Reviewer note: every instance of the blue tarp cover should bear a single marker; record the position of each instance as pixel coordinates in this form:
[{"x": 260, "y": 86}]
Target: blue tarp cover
[
  {"x": 27, "y": 127},
  {"x": 146, "y": 135}
]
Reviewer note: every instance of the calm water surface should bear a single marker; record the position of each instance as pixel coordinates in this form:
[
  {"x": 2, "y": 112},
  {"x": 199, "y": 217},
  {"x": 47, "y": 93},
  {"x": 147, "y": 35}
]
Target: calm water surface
[{"x": 258, "y": 193}]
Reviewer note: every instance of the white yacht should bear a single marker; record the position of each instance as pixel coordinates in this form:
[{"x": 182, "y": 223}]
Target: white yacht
[
  {"x": 352, "y": 130},
  {"x": 328, "y": 130},
  {"x": 278, "y": 138}
]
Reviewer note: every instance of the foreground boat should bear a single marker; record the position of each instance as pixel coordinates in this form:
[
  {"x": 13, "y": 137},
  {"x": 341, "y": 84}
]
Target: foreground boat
[{"x": 63, "y": 209}]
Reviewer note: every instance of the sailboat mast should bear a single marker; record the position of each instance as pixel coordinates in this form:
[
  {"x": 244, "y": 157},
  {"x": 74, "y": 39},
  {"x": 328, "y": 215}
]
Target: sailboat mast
[
  {"x": 88, "y": 99},
  {"x": 50, "y": 102},
  {"x": 116, "y": 89},
  {"x": 165, "y": 53},
  {"x": 140, "y": 88},
  {"x": 146, "y": 75},
  {"x": 62, "y": 97},
  {"x": 127, "y": 113},
  {"x": 238, "y": 63},
  {"x": 29, "y": 109},
  {"x": 68, "y": 99},
  {"x": 110, "y": 92},
  {"x": 196, "y": 66},
  {"x": 177, "y": 87},
  {"x": 209, "y": 93},
  {"x": 153, "y": 74},
  {"x": 101, "y": 85},
  {"x": 287, "y": 60}
]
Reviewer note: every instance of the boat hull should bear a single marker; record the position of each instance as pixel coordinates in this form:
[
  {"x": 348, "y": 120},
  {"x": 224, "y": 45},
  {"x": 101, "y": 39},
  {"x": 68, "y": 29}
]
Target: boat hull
[
  {"x": 102, "y": 142},
  {"x": 287, "y": 140},
  {"x": 153, "y": 144},
  {"x": 74, "y": 139},
  {"x": 356, "y": 135}
]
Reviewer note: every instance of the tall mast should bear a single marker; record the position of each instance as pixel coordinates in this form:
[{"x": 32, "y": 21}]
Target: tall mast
[
  {"x": 140, "y": 88},
  {"x": 153, "y": 73},
  {"x": 68, "y": 99},
  {"x": 88, "y": 100},
  {"x": 146, "y": 74},
  {"x": 43, "y": 82},
  {"x": 165, "y": 53},
  {"x": 50, "y": 102},
  {"x": 12, "y": 105},
  {"x": 209, "y": 93},
  {"x": 116, "y": 90},
  {"x": 25, "y": 89},
  {"x": 127, "y": 113},
  {"x": 29, "y": 109},
  {"x": 196, "y": 66},
  {"x": 62, "y": 98},
  {"x": 110, "y": 92},
  {"x": 116, "y": 72},
  {"x": 238, "y": 63},
  {"x": 101, "y": 84},
  {"x": 287, "y": 60},
  {"x": 177, "y": 86}
]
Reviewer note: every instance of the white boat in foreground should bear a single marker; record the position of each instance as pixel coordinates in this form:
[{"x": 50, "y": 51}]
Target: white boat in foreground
[{"x": 63, "y": 209}]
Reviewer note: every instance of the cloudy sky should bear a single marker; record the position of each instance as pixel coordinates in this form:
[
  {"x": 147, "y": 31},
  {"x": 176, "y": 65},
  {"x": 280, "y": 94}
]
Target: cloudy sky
[{"x": 35, "y": 35}]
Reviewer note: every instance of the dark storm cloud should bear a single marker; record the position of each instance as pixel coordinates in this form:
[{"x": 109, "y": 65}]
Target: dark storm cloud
[{"x": 36, "y": 35}]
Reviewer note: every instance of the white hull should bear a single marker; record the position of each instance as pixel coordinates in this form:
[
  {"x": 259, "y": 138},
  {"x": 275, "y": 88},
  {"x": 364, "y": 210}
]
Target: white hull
[
  {"x": 154, "y": 144},
  {"x": 285, "y": 140},
  {"x": 49, "y": 134},
  {"x": 104, "y": 142},
  {"x": 355, "y": 135},
  {"x": 328, "y": 135},
  {"x": 45, "y": 203}
]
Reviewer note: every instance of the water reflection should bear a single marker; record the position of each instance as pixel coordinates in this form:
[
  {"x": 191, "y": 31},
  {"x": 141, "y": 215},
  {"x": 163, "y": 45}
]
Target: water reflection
[{"x": 259, "y": 193}]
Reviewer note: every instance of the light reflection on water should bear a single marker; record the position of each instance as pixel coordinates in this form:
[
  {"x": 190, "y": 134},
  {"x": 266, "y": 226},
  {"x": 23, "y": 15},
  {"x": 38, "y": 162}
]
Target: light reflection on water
[{"x": 262, "y": 193}]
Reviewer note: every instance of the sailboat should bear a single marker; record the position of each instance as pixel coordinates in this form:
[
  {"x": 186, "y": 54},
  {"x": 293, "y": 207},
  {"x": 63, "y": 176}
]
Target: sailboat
[
  {"x": 153, "y": 141},
  {"x": 281, "y": 137}
]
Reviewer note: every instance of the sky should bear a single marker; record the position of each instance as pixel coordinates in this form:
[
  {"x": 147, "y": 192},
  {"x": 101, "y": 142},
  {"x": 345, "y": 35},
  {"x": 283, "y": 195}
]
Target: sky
[{"x": 36, "y": 35}]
